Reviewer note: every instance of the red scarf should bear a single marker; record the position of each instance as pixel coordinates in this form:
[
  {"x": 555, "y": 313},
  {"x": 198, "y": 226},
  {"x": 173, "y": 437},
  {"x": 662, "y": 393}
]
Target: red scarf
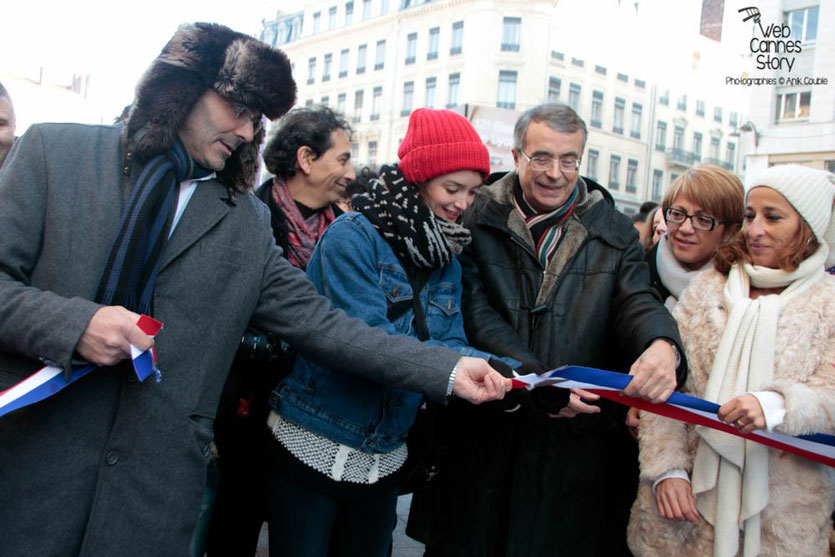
[{"x": 302, "y": 234}]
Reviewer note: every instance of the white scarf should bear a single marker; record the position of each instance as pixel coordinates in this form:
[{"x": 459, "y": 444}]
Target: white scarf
[
  {"x": 674, "y": 276},
  {"x": 730, "y": 474}
]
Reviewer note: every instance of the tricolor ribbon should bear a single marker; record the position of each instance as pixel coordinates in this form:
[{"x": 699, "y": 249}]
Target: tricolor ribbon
[
  {"x": 49, "y": 380},
  {"x": 608, "y": 384}
]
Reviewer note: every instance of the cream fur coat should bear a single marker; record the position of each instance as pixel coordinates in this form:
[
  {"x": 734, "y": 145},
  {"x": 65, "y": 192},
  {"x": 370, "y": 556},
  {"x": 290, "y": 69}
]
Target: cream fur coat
[{"x": 796, "y": 521}]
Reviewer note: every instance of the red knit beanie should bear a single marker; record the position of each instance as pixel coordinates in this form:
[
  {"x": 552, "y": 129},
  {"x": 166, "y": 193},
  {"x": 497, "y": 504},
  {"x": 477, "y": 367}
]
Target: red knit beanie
[{"x": 439, "y": 142}]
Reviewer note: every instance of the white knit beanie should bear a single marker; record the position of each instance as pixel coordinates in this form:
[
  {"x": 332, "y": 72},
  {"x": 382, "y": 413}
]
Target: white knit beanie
[{"x": 811, "y": 192}]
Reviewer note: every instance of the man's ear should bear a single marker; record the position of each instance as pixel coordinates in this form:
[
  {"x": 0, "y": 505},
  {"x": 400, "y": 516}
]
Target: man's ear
[
  {"x": 304, "y": 159},
  {"x": 515, "y": 157}
]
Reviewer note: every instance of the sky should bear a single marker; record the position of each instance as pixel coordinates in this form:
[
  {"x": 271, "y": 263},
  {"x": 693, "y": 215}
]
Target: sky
[{"x": 106, "y": 39}]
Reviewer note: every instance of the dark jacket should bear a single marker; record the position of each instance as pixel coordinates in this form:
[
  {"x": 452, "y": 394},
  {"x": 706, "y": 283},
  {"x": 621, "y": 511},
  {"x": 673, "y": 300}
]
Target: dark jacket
[{"x": 522, "y": 483}]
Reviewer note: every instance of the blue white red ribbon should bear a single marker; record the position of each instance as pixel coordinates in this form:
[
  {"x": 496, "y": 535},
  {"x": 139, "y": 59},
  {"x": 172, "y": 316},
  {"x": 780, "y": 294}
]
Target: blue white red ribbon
[
  {"x": 608, "y": 384},
  {"x": 49, "y": 380}
]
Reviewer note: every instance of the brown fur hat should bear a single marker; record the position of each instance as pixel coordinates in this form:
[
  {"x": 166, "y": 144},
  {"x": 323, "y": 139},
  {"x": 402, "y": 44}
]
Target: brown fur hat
[{"x": 204, "y": 56}]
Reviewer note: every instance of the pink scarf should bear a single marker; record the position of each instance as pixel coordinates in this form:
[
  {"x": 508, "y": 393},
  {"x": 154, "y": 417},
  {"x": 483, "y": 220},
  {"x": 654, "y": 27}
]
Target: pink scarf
[{"x": 302, "y": 234}]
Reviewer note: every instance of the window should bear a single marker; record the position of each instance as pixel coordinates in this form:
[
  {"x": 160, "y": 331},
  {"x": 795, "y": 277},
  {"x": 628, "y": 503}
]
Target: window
[
  {"x": 700, "y": 108},
  {"x": 623, "y": 77},
  {"x": 511, "y": 33},
  {"x": 829, "y": 166},
  {"x": 332, "y": 18},
  {"x": 308, "y": 103},
  {"x": 434, "y": 37},
  {"x": 730, "y": 154},
  {"x": 355, "y": 149},
  {"x": 733, "y": 119},
  {"x": 793, "y": 106},
  {"x": 376, "y": 98},
  {"x": 578, "y": 62},
  {"x": 372, "y": 151},
  {"x": 325, "y": 100},
  {"x": 591, "y": 164},
  {"x": 507, "y": 89},
  {"x": 343, "y": 63},
  {"x": 661, "y": 136},
  {"x": 804, "y": 25},
  {"x": 559, "y": 56},
  {"x": 596, "y": 109},
  {"x": 311, "y": 70},
  {"x": 657, "y": 184},
  {"x": 614, "y": 170},
  {"x": 600, "y": 69},
  {"x": 574, "y": 97},
  {"x": 697, "y": 147},
  {"x": 717, "y": 114},
  {"x": 454, "y": 83},
  {"x": 411, "y": 48},
  {"x": 340, "y": 103},
  {"x": 326, "y": 69},
  {"x": 362, "y": 51},
  {"x": 554, "y": 85},
  {"x": 682, "y": 102},
  {"x": 357, "y": 106},
  {"x": 366, "y": 9},
  {"x": 408, "y": 97},
  {"x": 664, "y": 98},
  {"x": 381, "y": 55},
  {"x": 640, "y": 83},
  {"x": 384, "y": 7},
  {"x": 678, "y": 139},
  {"x": 457, "y": 38},
  {"x": 349, "y": 12},
  {"x": 631, "y": 172},
  {"x": 714, "y": 149},
  {"x": 617, "y": 124},
  {"x": 637, "y": 112},
  {"x": 317, "y": 19},
  {"x": 431, "y": 86}
]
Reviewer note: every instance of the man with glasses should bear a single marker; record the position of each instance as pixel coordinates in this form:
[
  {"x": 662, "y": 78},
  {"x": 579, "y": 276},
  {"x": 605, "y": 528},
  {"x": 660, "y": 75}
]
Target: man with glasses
[
  {"x": 554, "y": 274},
  {"x": 103, "y": 223}
]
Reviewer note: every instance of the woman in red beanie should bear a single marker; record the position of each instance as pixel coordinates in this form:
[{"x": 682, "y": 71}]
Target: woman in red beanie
[{"x": 339, "y": 450}]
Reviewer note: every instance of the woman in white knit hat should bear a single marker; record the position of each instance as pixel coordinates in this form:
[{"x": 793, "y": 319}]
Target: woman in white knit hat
[{"x": 759, "y": 331}]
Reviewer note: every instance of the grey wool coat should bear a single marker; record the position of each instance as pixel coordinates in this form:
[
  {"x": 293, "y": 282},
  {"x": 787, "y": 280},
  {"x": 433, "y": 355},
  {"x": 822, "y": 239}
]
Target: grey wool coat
[{"x": 110, "y": 466}]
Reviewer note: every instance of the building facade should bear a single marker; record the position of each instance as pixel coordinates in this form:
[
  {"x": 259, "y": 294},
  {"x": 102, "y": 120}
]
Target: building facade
[{"x": 377, "y": 60}]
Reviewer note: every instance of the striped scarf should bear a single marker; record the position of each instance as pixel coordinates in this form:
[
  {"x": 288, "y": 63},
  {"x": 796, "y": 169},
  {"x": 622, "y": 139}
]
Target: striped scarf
[
  {"x": 302, "y": 234},
  {"x": 546, "y": 228},
  {"x": 132, "y": 266}
]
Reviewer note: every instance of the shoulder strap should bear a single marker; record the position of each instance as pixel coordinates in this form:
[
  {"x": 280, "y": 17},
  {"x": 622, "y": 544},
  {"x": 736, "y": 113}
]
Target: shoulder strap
[{"x": 417, "y": 280}]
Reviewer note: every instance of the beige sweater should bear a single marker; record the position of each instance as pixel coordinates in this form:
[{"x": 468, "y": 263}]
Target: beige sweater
[{"x": 796, "y": 521}]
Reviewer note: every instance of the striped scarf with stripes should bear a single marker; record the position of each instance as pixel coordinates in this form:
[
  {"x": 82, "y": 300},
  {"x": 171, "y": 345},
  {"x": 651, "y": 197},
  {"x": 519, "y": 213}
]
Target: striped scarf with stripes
[
  {"x": 546, "y": 228},
  {"x": 132, "y": 266}
]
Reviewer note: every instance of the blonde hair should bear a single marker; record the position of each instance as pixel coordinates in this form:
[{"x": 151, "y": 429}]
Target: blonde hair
[{"x": 717, "y": 191}]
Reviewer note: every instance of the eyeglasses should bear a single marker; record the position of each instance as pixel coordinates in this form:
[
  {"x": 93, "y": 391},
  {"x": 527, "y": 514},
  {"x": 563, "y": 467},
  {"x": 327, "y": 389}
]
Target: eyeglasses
[
  {"x": 243, "y": 112},
  {"x": 699, "y": 222},
  {"x": 568, "y": 164}
]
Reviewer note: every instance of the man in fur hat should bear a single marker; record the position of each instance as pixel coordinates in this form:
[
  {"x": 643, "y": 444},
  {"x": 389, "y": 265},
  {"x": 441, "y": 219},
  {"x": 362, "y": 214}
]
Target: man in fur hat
[{"x": 103, "y": 223}]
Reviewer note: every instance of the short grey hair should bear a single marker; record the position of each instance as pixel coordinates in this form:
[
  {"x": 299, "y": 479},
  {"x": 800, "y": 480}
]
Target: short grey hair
[{"x": 558, "y": 116}]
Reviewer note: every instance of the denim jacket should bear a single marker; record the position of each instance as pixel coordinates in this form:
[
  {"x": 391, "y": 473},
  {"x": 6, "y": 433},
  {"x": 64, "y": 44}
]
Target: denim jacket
[{"x": 354, "y": 267}]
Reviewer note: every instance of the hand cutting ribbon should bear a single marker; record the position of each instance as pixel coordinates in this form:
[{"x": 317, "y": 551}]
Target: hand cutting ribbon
[
  {"x": 50, "y": 380},
  {"x": 608, "y": 384}
]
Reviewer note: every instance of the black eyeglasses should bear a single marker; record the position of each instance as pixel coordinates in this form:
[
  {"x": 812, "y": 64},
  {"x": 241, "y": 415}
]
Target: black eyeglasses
[
  {"x": 699, "y": 222},
  {"x": 243, "y": 112}
]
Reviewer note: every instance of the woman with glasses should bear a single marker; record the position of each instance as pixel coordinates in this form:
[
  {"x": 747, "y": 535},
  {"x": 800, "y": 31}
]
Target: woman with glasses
[
  {"x": 759, "y": 330},
  {"x": 702, "y": 209}
]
